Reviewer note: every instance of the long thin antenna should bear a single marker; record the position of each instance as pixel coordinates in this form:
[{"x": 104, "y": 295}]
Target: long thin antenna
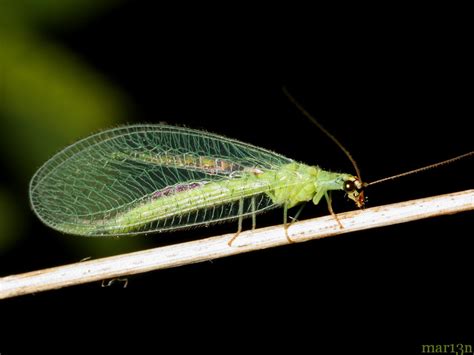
[
  {"x": 324, "y": 130},
  {"x": 448, "y": 161}
]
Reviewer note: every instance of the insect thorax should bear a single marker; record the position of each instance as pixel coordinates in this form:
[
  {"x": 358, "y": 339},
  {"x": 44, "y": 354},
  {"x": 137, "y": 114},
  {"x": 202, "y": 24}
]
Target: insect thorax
[{"x": 292, "y": 183}]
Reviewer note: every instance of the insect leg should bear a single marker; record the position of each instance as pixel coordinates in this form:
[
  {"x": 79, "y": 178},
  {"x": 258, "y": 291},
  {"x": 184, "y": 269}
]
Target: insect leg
[
  {"x": 239, "y": 227},
  {"x": 254, "y": 216},
  {"x": 285, "y": 222},
  {"x": 328, "y": 200},
  {"x": 319, "y": 195},
  {"x": 109, "y": 283},
  {"x": 295, "y": 218}
]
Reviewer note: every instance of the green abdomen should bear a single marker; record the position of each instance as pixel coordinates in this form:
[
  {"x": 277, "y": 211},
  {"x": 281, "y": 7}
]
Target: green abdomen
[{"x": 205, "y": 202}]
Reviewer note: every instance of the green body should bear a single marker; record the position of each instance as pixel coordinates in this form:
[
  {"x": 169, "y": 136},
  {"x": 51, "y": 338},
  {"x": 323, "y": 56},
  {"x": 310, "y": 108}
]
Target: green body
[{"x": 142, "y": 179}]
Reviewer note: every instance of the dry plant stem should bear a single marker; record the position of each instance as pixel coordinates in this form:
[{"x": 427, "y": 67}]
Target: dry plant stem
[{"x": 217, "y": 247}]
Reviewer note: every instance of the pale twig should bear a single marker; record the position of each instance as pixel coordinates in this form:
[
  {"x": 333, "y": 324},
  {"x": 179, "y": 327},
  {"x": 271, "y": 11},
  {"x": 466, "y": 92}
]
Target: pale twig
[{"x": 217, "y": 247}]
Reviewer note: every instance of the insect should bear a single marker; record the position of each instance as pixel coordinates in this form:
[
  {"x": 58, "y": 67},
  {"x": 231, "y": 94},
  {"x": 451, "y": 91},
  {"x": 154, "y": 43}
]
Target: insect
[
  {"x": 148, "y": 178},
  {"x": 141, "y": 179}
]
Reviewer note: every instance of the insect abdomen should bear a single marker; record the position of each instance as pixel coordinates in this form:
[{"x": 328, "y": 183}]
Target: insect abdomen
[{"x": 200, "y": 204}]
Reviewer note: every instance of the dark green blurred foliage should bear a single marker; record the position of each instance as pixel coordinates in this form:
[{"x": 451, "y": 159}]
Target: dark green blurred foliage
[
  {"x": 48, "y": 96},
  {"x": 37, "y": 14}
]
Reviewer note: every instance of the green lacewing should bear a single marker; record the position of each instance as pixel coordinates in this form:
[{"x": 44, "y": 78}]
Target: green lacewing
[{"x": 141, "y": 179}]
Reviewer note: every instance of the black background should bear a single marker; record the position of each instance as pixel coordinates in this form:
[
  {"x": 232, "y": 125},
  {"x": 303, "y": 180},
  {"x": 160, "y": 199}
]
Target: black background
[{"x": 392, "y": 87}]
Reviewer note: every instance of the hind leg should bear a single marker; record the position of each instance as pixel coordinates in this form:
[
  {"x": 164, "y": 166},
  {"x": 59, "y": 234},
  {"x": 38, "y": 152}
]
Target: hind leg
[
  {"x": 285, "y": 223},
  {"x": 239, "y": 223}
]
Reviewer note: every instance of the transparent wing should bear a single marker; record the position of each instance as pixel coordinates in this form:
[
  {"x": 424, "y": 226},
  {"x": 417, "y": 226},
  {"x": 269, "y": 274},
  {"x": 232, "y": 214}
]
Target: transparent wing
[{"x": 146, "y": 178}]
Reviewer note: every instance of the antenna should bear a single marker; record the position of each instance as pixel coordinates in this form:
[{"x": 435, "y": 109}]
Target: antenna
[
  {"x": 444, "y": 162},
  {"x": 324, "y": 130},
  {"x": 346, "y": 152}
]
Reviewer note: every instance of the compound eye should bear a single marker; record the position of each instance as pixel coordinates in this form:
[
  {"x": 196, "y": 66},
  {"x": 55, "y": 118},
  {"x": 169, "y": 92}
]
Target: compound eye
[{"x": 349, "y": 186}]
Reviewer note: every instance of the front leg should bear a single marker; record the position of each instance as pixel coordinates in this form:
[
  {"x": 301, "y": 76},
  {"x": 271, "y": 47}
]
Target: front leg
[
  {"x": 319, "y": 195},
  {"x": 331, "y": 211}
]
